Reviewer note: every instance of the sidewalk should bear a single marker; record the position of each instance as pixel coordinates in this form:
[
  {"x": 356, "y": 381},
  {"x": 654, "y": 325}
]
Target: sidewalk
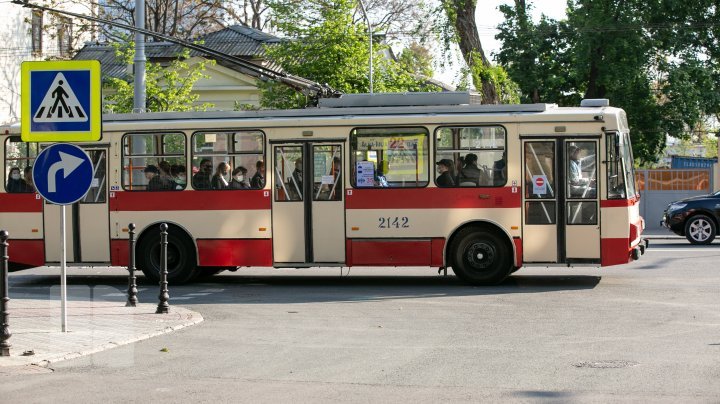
[
  {"x": 93, "y": 326},
  {"x": 660, "y": 234}
]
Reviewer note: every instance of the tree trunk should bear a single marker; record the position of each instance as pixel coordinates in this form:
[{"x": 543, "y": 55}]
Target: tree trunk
[{"x": 469, "y": 41}]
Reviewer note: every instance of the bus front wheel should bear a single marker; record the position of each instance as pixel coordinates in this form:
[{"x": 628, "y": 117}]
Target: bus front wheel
[
  {"x": 181, "y": 260},
  {"x": 480, "y": 257}
]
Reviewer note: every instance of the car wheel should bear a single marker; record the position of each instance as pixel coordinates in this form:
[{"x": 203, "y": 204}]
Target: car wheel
[
  {"x": 481, "y": 258},
  {"x": 700, "y": 229},
  {"x": 181, "y": 261}
]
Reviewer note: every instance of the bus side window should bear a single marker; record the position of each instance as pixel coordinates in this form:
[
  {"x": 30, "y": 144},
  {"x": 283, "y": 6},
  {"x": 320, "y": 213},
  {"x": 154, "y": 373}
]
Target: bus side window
[
  {"x": 154, "y": 162},
  {"x": 19, "y": 156}
]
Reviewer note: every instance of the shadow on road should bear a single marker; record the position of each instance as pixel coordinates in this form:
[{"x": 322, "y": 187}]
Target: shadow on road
[{"x": 274, "y": 289}]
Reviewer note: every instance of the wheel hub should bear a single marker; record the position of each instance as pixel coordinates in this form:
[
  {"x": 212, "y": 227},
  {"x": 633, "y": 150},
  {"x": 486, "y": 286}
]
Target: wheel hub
[
  {"x": 700, "y": 230},
  {"x": 480, "y": 255}
]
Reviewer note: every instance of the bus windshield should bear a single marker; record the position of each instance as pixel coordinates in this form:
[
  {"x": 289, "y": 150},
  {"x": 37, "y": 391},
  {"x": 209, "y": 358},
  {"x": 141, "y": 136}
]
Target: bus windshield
[{"x": 627, "y": 157}]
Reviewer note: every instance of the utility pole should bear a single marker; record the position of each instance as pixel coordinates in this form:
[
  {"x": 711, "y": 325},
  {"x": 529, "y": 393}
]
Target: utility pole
[
  {"x": 139, "y": 68},
  {"x": 367, "y": 18}
]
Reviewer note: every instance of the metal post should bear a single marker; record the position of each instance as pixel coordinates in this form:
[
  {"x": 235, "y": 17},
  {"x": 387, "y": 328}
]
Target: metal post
[
  {"x": 132, "y": 287},
  {"x": 367, "y": 18},
  {"x": 63, "y": 274},
  {"x": 139, "y": 95},
  {"x": 4, "y": 298},
  {"x": 163, "y": 306}
]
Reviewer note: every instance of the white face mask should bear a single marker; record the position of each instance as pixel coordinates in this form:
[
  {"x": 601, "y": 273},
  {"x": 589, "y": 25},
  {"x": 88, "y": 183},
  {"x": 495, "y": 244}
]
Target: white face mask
[
  {"x": 15, "y": 176},
  {"x": 181, "y": 179},
  {"x": 240, "y": 178}
]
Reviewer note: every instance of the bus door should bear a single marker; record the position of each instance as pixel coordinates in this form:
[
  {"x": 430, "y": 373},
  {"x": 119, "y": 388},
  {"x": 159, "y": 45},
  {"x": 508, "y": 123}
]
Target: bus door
[
  {"x": 560, "y": 201},
  {"x": 308, "y": 210},
  {"x": 87, "y": 222}
]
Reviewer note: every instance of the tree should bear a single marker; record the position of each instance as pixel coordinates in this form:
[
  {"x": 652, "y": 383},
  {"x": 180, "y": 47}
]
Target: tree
[
  {"x": 253, "y": 13},
  {"x": 167, "y": 88},
  {"x": 655, "y": 60},
  {"x": 326, "y": 46}
]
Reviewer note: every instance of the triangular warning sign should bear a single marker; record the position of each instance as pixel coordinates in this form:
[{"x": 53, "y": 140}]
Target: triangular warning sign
[{"x": 60, "y": 104}]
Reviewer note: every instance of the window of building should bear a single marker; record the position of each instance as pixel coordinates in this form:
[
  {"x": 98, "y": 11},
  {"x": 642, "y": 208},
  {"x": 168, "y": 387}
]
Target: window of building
[
  {"x": 154, "y": 162},
  {"x": 64, "y": 36},
  {"x": 389, "y": 157},
  {"x": 19, "y": 158},
  {"x": 477, "y": 153},
  {"x": 228, "y": 160},
  {"x": 37, "y": 29}
]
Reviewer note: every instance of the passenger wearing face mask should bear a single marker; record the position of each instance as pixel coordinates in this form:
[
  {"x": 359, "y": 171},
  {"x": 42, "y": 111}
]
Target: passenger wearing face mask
[
  {"x": 239, "y": 180},
  {"x": 179, "y": 176},
  {"x": 16, "y": 184},
  {"x": 221, "y": 179}
]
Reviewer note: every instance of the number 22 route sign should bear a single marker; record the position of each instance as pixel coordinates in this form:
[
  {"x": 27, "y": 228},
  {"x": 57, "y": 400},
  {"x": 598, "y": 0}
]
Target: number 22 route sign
[{"x": 61, "y": 101}]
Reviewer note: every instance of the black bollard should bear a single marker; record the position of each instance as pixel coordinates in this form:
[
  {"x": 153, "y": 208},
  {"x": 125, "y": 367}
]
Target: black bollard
[
  {"x": 4, "y": 298},
  {"x": 132, "y": 286},
  {"x": 163, "y": 306}
]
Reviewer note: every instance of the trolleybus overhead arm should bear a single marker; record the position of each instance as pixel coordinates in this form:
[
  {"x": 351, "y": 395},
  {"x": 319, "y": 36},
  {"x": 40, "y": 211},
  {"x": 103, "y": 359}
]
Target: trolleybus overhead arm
[{"x": 310, "y": 88}]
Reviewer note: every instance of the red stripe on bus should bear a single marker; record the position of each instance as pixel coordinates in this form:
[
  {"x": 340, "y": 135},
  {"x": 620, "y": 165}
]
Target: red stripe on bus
[
  {"x": 618, "y": 203},
  {"x": 429, "y": 198},
  {"x": 190, "y": 200},
  {"x": 436, "y": 250},
  {"x": 27, "y": 252},
  {"x": 236, "y": 252},
  {"x": 615, "y": 251},
  {"x": 119, "y": 253},
  {"x": 390, "y": 252},
  {"x": 20, "y": 203}
]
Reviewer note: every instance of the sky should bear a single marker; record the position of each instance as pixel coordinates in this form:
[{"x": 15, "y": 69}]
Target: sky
[{"x": 488, "y": 17}]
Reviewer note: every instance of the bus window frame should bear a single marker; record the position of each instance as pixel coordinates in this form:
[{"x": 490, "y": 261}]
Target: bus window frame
[
  {"x": 504, "y": 150},
  {"x": 151, "y": 133},
  {"x": 6, "y": 169},
  {"x": 352, "y": 150},
  {"x": 231, "y": 145}
]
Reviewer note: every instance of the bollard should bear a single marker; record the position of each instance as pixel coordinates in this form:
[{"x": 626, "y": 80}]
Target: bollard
[
  {"x": 132, "y": 286},
  {"x": 4, "y": 298},
  {"x": 163, "y": 306}
]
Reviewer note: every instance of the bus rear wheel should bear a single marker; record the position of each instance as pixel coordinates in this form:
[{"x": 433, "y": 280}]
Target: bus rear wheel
[
  {"x": 181, "y": 257},
  {"x": 480, "y": 257}
]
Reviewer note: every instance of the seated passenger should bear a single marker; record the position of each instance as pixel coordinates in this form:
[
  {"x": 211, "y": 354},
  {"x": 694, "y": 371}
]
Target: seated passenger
[
  {"x": 201, "y": 179},
  {"x": 471, "y": 175},
  {"x": 444, "y": 168},
  {"x": 380, "y": 178},
  {"x": 29, "y": 179},
  {"x": 155, "y": 181},
  {"x": 16, "y": 184},
  {"x": 258, "y": 180},
  {"x": 221, "y": 177},
  {"x": 239, "y": 179},
  {"x": 177, "y": 171}
]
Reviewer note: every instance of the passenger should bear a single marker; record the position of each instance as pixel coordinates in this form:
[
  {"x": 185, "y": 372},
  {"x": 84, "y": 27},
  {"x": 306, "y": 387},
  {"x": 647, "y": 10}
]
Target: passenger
[
  {"x": 239, "y": 179},
  {"x": 446, "y": 177},
  {"x": 15, "y": 183},
  {"x": 179, "y": 176},
  {"x": 499, "y": 172},
  {"x": 296, "y": 182},
  {"x": 471, "y": 174},
  {"x": 459, "y": 163},
  {"x": 380, "y": 179},
  {"x": 258, "y": 180},
  {"x": 155, "y": 181},
  {"x": 166, "y": 173},
  {"x": 221, "y": 177},
  {"x": 29, "y": 179},
  {"x": 201, "y": 179}
]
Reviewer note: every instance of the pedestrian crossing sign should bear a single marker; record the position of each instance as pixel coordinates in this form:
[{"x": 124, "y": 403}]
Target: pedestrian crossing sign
[{"x": 61, "y": 101}]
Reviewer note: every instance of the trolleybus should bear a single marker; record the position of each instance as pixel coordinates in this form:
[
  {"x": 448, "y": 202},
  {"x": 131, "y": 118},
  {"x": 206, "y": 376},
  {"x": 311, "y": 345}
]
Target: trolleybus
[{"x": 353, "y": 182}]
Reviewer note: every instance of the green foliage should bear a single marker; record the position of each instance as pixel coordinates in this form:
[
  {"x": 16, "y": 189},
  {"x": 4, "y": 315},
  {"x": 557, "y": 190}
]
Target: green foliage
[
  {"x": 656, "y": 60},
  {"x": 326, "y": 46},
  {"x": 168, "y": 88}
]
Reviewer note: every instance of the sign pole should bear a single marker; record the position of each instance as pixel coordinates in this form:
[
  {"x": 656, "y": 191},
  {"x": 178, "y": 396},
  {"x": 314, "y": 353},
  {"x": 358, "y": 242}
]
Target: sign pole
[{"x": 63, "y": 276}]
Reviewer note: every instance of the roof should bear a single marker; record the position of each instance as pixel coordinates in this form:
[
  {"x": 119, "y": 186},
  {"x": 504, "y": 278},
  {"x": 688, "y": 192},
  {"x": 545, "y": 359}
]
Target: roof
[{"x": 237, "y": 40}]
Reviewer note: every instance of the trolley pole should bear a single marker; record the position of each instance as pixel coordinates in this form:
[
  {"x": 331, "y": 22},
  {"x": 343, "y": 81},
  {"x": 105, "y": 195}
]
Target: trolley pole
[
  {"x": 4, "y": 298},
  {"x": 163, "y": 306},
  {"x": 132, "y": 286}
]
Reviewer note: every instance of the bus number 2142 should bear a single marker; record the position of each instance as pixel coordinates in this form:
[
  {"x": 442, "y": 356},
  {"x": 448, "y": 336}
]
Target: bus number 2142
[{"x": 393, "y": 222}]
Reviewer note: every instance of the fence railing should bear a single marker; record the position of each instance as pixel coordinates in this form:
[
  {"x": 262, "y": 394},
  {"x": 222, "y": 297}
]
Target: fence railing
[{"x": 674, "y": 180}]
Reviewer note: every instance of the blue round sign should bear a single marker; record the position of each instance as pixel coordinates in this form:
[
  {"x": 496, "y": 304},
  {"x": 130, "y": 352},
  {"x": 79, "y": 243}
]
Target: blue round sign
[{"x": 63, "y": 174}]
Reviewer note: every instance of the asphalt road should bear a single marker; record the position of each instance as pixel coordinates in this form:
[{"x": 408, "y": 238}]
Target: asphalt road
[{"x": 647, "y": 332}]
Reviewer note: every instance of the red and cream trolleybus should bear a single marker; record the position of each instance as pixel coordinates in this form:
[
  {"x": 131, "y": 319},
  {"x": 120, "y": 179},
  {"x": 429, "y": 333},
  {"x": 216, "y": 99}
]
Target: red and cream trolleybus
[{"x": 389, "y": 180}]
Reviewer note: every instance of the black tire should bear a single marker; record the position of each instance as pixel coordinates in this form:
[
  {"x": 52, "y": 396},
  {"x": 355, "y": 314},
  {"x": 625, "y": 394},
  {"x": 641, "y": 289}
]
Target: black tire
[
  {"x": 181, "y": 255},
  {"x": 700, "y": 229},
  {"x": 480, "y": 257}
]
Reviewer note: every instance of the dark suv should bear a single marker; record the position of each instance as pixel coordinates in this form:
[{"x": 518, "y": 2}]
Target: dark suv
[{"x": 695, "y": 218}]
